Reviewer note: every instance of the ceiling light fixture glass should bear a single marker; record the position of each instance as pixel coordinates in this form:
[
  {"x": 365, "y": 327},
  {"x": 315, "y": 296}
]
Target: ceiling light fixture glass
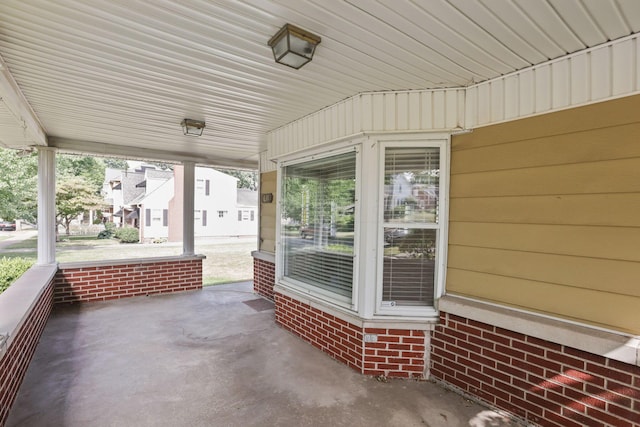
[
  {"x": 293, "y": 46},
  {"x": 192, "y": 127}
]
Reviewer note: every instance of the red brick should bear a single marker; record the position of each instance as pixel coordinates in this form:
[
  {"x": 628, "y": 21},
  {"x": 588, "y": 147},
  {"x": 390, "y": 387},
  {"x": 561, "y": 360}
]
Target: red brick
[
  {"x": 609, "y": 373},
  {"x": 548, "y": 364},
  {"x": 560, "y": 420},
  {"x": 581, "y": 418},
  {"x": 566, "y": 360},
  {"x": 608, "y": 418},
  {"x": 527, "y": 348},
  {"x": 625, "y": 414}
]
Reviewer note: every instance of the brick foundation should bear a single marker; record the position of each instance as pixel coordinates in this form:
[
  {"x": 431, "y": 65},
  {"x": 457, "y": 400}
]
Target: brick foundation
[
  {"x": 540, "y": 381},
  {"x": 128, "y": 279},
  {"x": 396, "y": 353},
  {"x": 14, "y": 363},
  {"x": 264, "y": 276}
]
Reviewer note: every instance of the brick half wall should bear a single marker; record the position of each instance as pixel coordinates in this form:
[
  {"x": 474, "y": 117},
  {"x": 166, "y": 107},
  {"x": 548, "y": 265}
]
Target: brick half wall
[
  {"x": 101, "y": 282},
  {"x": 264, "y": 276},
  {"x": 393, "y": 353},
  {"x": 14, "y": 363},
  {"x": 540, "y": 381}
]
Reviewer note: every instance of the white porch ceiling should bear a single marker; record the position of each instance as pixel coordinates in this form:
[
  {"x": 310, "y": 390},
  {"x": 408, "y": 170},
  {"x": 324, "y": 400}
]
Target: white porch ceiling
[{"x": 118, "y": 76}]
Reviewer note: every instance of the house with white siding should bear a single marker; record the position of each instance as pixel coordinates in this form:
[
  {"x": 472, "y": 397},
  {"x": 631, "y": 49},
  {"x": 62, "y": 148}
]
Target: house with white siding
[{"x": 151, "y": 200}]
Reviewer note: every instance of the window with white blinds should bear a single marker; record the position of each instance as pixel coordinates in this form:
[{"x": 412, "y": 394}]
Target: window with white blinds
[
  {"x": 410, "y": 225},
  {"x": 318, "y": 223}
]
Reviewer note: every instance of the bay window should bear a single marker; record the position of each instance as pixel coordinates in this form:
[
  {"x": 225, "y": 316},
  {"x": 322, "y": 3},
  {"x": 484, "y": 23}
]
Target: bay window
[{"x": 392, "y": 208}]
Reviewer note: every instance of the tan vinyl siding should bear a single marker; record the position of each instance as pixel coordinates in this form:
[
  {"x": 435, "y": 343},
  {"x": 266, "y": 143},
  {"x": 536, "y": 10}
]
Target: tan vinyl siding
[
  {"x": 268, "y": 213},
  {"x": 545, "y": 214}
]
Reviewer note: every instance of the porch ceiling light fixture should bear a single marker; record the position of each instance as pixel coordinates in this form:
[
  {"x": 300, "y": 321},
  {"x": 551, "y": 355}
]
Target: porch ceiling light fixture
[
  {"x": 293, "y": 46},
  {"x": 192, "y": 127}
]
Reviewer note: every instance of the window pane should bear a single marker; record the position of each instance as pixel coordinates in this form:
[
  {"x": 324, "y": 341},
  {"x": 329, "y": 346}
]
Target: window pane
[
  {"x": 318, "y": 217},
  {"x": 409, "y": 265},
  {"x": 411, "y": 185}
]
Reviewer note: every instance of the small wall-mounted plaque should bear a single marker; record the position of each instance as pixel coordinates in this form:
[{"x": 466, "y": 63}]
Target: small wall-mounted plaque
[{"x": 266, "y": 197}]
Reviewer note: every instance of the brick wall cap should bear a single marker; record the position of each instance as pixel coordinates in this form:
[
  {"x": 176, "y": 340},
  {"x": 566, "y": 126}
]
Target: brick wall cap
[
  {"x": 382, "y": 322},
  {"x": 129, "y": 261},
  {"x": 19, "y": 299},
  {"x": 264, "y": 256},
  {"x": 612, "y": 344}
]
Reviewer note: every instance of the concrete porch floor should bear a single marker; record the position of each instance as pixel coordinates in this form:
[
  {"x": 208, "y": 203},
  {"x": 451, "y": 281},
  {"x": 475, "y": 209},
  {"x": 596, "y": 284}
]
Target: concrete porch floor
[{"x": 207, "y": 358}]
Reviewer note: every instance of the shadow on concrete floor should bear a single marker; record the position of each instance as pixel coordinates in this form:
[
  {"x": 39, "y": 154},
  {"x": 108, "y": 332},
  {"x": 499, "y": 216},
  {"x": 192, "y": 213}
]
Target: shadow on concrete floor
[{"x": 210, "y": 358}]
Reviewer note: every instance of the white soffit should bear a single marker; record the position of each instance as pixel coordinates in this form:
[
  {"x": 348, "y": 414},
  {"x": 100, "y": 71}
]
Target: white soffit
[{"x": 124, "y": 74}]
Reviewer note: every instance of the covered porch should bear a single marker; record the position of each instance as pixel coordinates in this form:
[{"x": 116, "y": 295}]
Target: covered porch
[
  {"x": 524, "y": 119},
  {"x": 210, "y": 357}
]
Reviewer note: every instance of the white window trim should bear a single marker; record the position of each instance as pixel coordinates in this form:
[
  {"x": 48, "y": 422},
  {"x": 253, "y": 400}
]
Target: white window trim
[
  {"x": 444, "y": 144},
  {"x": 366, "y": 239},
  {"x": 331, "y": 298}
]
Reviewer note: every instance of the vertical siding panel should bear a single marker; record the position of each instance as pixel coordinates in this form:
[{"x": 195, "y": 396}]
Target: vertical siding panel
[
  {"x": 378, "y": 111},
  {"x": 471, "y": 108},
  {"x": 600, "y": 73},
  {"x": 527, "y": 93},
  {"x": 389, "y": 111},
  {"x": 451, "y": 108},
  {"x": 402, "y": 111},
  {"x": 321, "y": 127},
  {"x": 484, "y": 104},
  {"x": 315, "y": 128},
  {"x": 511, "y": 97},
  {"x": 366, "y": 106},
  {"x": 461, "y": 108},
  {"x": 414, "y": 110},
  {"x": 334, "y": 121},
  {"x": 580, "y": 79},
  {"x": 348, "y": 116},
  {"x": 427, "y": 110},
  {"x": 283, "y": 139},
  {"x": 327, "y": 115},
  {"x": 438, "y": 109},
  {"x": 497, "y": 100},
  {"x": 543, "y": 89},
  {"x": 301, "y": 141},
  {"x": 561, "y": 84},
  {"x": 623, "y": 62},
  {"x": 341, "y": 114},
  {"x": 357, "y": 114}
]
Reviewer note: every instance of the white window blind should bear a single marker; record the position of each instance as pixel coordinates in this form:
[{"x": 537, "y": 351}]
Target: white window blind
[
  {"x": 410, "y": 225},
  {"x": 318, "y": 219}
]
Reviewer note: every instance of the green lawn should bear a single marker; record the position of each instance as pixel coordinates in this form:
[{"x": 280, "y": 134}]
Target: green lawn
[{"x": 226, "y": 262}]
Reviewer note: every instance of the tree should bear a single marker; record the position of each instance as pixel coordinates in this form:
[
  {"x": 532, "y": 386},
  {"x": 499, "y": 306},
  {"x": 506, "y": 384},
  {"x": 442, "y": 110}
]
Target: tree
[
  {"x": 246, "y": 179},
  {"x": 90, "y": 169},
  {"x": 115, "y": 163},
  {"x": 74, "y": 195},
  {"x": 18, "y": 186}
]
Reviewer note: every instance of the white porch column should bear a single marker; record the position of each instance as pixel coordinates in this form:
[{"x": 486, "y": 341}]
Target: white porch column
[
  {"x": 188, "y": 206},
  {"x": 46, "y": 206}
]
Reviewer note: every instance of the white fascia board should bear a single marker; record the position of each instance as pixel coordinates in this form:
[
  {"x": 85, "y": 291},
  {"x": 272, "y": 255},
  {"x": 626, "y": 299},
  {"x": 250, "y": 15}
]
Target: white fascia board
[{"x": 129, "y": 152}]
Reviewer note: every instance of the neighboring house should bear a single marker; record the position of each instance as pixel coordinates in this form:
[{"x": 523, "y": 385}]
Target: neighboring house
[{"x": 151, "y": 200}]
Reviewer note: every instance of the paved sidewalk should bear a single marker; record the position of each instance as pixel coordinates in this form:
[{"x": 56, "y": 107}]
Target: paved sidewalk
[
  {"x": 16, "y": 237},
  {"x": 210, "y": 358}
]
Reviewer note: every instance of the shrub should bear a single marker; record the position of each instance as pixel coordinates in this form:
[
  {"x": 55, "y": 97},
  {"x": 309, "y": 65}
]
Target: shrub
[
  {"x": 127, "y": 235},
  {"x": 11, "y": 269},
  {"x": 108, "y": 232}
]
